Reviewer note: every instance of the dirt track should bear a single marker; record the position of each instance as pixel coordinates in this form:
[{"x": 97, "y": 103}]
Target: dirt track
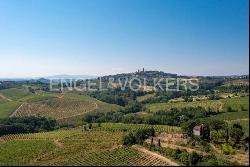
[
  {"x": 145, "y": 151},
  {"x": 3, "y": 97}
]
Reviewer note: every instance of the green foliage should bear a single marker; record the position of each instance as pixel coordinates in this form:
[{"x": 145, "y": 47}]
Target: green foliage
[
  {"x": 212, "y": 160},
  {"x": 10, "y": 84},
  {"x": 244, "y": 124},
  {"x": 171, "y": 118},
  {"x": 176, "y": 117},
  {"x": 194, "y": 158},
  {"x": 189, "y": 159},
  {"x": 31, "y": 90},
  {"x": 184, "y": 157},
  {"x": 227, "y": 149},
  {"x": 206, "y": 148},
  {"x": 214, "y": 97},
  {"x": 187, "y": 127},
  {"x": 116, "y": 96},
  {"x": 236, "y": 134},
  {"x": 129, "y": 139},
  {"x": 132, "y": 107},
  {"x": 99, "y": 117},
  {"x": 138, "y": 137},
  {"x": 216, "y": 124},
  {"x": 16, "y": 125},
  {"x": 219, "y": 136},
  {"x": 215, "y": 105},
  {"x": 143, "y": 134}
]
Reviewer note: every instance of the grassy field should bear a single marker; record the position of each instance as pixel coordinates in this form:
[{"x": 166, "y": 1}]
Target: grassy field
[
  {"x": 236, "y": 103},
  {"x": 71, "y": 147},
  {"x": 232, "y": 115},
  {"x": 15, "y": 93},
  {"x": 216, "y": 105},
  {"x": 145, "y": 97},
  {"x": 7, "y": 108}
]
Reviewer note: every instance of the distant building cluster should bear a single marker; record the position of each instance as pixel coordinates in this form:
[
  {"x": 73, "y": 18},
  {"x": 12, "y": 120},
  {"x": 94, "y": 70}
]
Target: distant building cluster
[{"x": 138, "y": 71}]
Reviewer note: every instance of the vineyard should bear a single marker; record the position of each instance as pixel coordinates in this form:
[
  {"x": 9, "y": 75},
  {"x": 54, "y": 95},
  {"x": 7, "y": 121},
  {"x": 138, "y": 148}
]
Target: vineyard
[
  {"x": 135, "y": 127},
  {"x": 60, "y": 107},
  {"x": 53, "y": 135},
  {"x": 55, "y": 108},
  {"x": 215, "y": 105},
  {"x": 96, "y": 148},
  {"x": 18, "y": 152},
  {"x": 70, "y": 107},
  {"x": 118, "y": 157},
  {"x": 72, "y": 147},
  {"x": 96, "y": 143}
]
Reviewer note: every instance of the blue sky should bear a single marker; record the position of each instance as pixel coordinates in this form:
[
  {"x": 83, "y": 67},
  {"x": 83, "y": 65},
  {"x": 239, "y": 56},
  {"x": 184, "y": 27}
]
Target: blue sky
[{"x": 99, "y": 37}]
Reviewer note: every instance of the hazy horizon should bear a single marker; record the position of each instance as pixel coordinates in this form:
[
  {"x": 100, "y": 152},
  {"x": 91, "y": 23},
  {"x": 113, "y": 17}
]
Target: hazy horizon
[
  {"x": 45, "y": 38},
  {"x": 92, "y": 76}
]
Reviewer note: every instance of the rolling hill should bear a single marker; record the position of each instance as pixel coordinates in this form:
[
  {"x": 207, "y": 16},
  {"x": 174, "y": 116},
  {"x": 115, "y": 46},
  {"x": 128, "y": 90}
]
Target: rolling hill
[{"x": 54, "y": 105}]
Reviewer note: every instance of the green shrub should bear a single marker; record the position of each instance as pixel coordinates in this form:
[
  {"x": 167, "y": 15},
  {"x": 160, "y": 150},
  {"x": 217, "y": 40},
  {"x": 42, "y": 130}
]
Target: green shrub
[
  {"x": 194, "y": 158},
  {"x": 190, "y": 159},
  {"x": 227, "y": 149},
  {"x": 184, "y": 158},
  {"x": 138, "y": 137},
  {"x": 176, "y": 153},
  {"x": 129, "y": 139}
]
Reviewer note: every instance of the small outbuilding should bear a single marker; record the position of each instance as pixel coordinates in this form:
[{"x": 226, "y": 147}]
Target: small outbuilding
[
  {"x": 197, "y": 130},
  {"x": 202, "y": 131}
]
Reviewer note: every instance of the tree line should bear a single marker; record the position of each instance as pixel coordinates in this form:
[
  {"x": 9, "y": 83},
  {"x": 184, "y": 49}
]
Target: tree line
[
  {"x": 15, "y": 125},
  {"x": 174, "y": 117}
]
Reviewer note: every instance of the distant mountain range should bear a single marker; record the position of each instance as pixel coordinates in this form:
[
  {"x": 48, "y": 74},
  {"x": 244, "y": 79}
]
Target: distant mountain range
[
  {"x": 71, "y": 77},
  {"x": 83, "y": 77}
]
